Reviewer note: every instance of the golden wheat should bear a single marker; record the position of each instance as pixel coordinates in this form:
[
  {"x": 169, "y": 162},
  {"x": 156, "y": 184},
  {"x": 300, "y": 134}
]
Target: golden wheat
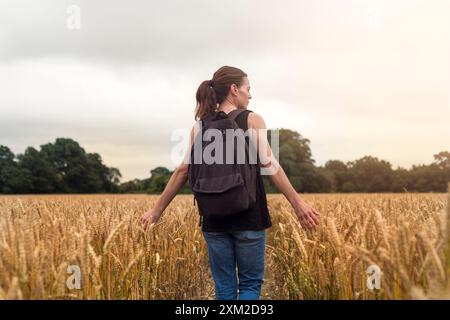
[{"x": 40, "y": 236}]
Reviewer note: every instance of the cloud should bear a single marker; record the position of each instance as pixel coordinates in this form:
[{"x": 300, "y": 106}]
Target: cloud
[{"x": 355, "y": 77}]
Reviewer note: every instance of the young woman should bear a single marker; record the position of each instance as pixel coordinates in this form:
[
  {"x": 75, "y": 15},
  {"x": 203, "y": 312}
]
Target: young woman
[{"x": 236, "y": 241}]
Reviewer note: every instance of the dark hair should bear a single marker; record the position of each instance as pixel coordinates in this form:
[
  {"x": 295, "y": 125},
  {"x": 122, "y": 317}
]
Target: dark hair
[{"x": 212, "y": 92}]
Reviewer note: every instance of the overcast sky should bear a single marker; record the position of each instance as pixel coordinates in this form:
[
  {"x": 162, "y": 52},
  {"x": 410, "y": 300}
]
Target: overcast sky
[{"x": 360, "y": 77}]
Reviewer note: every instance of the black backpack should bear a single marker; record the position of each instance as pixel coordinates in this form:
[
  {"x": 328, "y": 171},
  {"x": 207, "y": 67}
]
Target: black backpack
[{"x": 222, "y": 189}]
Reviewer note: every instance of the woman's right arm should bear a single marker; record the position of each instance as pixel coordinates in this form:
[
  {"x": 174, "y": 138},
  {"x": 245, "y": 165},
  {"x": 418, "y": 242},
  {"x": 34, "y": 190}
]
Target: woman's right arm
[
  {"x": 308, "y": 217},
  {"x": 177, "y": 180}
]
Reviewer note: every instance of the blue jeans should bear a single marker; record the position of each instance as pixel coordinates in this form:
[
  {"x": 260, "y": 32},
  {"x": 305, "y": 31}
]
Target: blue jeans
[{"x": 244, "y": 250}]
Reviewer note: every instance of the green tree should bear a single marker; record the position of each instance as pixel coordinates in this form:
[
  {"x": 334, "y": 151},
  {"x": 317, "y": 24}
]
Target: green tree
[
  {"x": 296, "y": 160},
  {"x": 442, "y": 160},
  {"x": 159, "y": 178},
  {"x": 43, "y": 174},
  {"x": 427, "y": 178},
  {"x": 13, "y": 178},
  {"x": 337, "y": 173},
  {"x": 401, "y": 181},
  {"x": 77, "y": 171},
  {"x": 369, "y": 174}
]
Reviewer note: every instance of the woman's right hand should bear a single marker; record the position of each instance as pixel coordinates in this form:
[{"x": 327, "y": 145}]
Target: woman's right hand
[
  {"x": 151, "y": 216},
  {"x": 308, "y": 217}
]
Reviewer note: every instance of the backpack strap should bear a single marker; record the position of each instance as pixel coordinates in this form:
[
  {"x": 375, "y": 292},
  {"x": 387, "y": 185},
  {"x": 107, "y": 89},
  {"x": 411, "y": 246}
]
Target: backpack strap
[
  {"x": 231, "y": 115},
  {"x": 235, "y": 113}
]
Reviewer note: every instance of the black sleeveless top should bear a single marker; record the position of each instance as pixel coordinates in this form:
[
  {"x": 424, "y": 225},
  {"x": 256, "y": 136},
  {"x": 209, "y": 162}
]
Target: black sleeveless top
[{"x": 256, "y": 218}]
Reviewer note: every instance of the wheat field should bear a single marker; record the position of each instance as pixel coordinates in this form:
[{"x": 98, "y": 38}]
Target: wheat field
[{"x": 42, "y": 236}]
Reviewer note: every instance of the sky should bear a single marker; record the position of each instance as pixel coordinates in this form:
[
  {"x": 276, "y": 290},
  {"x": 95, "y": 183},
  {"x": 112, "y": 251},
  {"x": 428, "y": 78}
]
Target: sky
[{"x": 355, "y": 77}]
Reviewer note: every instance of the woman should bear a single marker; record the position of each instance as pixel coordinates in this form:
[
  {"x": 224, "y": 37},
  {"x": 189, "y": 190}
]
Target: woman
[{"x": 236, "y": 241}]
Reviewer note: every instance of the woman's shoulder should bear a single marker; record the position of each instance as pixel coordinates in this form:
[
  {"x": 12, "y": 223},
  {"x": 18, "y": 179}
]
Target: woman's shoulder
[{"x": 255, "y": 120}]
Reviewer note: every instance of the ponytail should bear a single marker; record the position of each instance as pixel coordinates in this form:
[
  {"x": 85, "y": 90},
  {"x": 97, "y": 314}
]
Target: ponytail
[
  {"x": 206, "y": 100},
  {"x": 212, "y": 92}
]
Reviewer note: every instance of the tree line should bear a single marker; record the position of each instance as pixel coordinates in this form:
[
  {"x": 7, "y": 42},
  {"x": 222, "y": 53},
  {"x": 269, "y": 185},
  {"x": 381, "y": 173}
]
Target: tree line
[
  {"x": 59, "y": 167},
  {"x": 65, "y": 167}
]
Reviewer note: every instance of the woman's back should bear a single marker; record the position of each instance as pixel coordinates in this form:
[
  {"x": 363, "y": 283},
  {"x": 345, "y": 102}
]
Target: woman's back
[{"x": 256, "y": 218}]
